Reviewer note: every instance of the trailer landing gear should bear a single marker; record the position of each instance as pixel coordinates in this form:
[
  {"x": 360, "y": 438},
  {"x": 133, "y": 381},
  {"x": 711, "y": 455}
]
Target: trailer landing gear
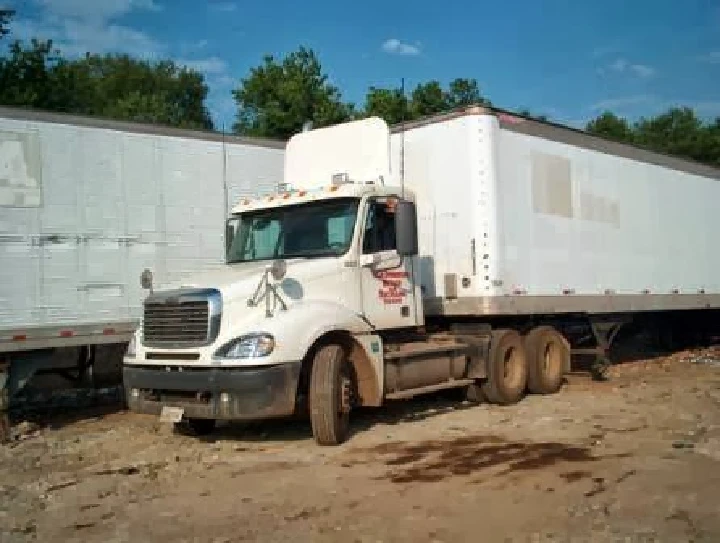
[{"x": 603, "y": 333}]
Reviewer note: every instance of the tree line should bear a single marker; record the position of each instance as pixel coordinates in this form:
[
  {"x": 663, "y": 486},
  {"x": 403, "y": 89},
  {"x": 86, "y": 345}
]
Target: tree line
[{"x": 278, "y": 97}]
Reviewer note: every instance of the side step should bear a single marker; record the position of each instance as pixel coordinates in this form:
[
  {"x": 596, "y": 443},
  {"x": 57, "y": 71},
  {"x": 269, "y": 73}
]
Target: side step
[{"x": 405, "y": 394}]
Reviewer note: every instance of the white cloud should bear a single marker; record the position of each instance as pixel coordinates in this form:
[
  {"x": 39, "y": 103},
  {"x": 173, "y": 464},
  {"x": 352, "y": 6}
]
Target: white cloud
[
  {"x": 80, "y": 38},
  {"x": 223, "y": 7},
  {"x": 642, "y": 70},
  {"x": 209, "y": 66},
  {"x": 621, "y": 102},
  {"x": 713, "y": 57},
  {"x": 624, "y": 66},
  {"x": 80, "y": 26},
  {"x": 394, "y": 46},
  {"x": 98, "y": 10},
  {"x": 620, "y": 65}
]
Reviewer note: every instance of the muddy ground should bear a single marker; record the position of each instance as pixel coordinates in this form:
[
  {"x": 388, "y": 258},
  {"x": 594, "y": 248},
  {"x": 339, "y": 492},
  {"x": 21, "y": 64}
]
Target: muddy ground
[{"x": 636, "y": 458}]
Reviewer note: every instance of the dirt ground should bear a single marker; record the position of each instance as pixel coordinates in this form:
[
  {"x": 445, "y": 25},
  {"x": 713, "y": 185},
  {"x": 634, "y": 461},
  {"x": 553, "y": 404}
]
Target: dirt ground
[{"x": 636, "y": 458}]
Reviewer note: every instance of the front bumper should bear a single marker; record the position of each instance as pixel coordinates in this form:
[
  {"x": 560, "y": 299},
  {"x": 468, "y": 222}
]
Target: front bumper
[{"x": 254, "y": 393}]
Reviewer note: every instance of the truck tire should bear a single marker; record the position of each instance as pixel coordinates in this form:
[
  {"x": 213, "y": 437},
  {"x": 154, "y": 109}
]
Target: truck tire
[
  {"x": 330, "y": 396},
  {"x": 548, "y": 357},
  {"x": 506, "y": 368}
]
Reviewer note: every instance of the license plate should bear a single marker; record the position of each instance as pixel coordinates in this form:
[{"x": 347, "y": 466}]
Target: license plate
[{"x": 171, "y": 414}]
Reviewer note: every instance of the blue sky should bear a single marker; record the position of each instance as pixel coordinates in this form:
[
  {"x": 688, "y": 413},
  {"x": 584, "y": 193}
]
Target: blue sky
[{"x": 566, "y": 59}]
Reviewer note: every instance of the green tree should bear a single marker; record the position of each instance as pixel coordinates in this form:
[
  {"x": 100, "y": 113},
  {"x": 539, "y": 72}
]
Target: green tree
[
  {"x": 122, "y": 87},
  {"x": 530, "y": 115},
  {"x": 26, "y": 75},
  {"x": 112, "y": 86},
  {"x": 465, "y": 92},
  {"x": 711, "y": 143},
  {"x": 677, "y": 132},
  {"x": 428, "y": 99},
  {"x": 279, "y": 97},
  {"x": 388, "y": 104},
  {"x": 610, "y": 126},
  {"x": 5, "y": 16}
]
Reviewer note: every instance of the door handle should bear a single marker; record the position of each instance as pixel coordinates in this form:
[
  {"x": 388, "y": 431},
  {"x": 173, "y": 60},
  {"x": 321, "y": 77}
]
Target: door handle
[{"x": 369, "y": 260}]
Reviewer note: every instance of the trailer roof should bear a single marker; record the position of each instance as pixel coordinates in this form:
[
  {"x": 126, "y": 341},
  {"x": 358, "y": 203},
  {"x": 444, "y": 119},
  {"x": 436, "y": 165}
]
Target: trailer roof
[
  {"x": 571, "y": 136},
  {"x": 25, "y": 114},
  {"x": 508, "y": 120}
]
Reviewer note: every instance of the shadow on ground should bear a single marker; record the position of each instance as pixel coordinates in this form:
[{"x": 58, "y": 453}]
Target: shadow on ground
[{"x": 363, "y": 419}]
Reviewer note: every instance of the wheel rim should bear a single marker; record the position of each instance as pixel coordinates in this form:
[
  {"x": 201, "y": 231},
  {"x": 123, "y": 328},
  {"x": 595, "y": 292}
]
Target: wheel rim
[
  {"x": 512, "y": 366},
  {"x": 345, "y": 394},
  {"x": 551, "y": 358}
]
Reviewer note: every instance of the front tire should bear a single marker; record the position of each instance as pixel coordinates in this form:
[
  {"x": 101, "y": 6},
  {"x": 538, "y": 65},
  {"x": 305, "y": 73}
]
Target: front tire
[{"x": 330, "y": 396}]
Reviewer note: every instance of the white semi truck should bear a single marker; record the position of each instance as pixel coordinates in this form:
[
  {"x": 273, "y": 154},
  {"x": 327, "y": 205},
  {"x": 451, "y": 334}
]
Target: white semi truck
[
  {"x": 87, "y": 205},
  {"x": 473, "y": 249}
]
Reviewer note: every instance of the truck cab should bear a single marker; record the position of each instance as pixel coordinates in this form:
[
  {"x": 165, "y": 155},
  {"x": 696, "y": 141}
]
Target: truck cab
[{"x": 313, "y": 274}]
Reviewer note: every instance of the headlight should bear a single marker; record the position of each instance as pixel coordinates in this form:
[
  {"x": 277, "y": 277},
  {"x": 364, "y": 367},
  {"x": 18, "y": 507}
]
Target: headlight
[
  {"x": 251, "y": 346},
  {"x": 132, "y": 345}
]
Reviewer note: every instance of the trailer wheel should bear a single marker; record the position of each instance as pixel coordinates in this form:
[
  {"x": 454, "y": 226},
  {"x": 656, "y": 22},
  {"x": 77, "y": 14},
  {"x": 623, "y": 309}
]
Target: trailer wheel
[
  {"x": 330, "y": 396},
  {"x": 548, "y": 357},
  {"x": 507, "y": 368}
]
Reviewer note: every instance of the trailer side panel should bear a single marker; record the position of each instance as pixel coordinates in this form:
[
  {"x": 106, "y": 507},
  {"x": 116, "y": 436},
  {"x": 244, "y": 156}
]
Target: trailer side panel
[{"x": 85, "y": 209}]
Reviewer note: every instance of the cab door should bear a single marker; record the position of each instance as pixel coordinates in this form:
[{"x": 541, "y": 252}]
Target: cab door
[{"x": 386, "y": 278}]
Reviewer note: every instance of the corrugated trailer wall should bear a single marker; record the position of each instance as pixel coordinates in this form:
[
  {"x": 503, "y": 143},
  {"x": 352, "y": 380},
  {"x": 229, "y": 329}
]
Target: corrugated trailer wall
[{"x": 84, "y": 210}]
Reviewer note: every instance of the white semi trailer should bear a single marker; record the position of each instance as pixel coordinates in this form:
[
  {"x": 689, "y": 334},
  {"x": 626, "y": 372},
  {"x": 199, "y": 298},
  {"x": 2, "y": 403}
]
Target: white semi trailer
[
  {"x": 474, "y": 249},
  {"x": 86, "y": 206}
]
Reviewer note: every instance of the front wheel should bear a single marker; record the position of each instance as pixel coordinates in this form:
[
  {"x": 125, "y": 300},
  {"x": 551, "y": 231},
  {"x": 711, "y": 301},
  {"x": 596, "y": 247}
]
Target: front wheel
[{"x": 330, "y": 395}]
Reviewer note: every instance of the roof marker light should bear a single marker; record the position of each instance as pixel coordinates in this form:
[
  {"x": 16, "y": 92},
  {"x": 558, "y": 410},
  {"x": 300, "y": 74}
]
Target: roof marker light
[{"x": 340, "y": 178}]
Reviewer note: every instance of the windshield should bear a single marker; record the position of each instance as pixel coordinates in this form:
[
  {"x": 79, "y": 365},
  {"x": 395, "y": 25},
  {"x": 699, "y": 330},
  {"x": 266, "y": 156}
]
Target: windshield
[{"x": 314, "y": 229}]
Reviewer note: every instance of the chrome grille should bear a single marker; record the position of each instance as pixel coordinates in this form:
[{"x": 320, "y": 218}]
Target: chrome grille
[{"x": 180, "y": 319}]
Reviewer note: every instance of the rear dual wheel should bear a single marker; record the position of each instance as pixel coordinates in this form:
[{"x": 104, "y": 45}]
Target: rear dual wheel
[
  {"x": 507, "y": 368},
  {"x": 516, "y": 364},
  {"x": 548, "y": 355}
]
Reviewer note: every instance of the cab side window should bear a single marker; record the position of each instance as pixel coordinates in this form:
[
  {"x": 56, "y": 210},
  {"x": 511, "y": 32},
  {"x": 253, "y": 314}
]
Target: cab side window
[{"x": 379, "y": 232}]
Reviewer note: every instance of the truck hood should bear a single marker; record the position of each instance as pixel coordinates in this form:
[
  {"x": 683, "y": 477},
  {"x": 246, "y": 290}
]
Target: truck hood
[
  {"x": 241, "y": 280},
  {"x": 223, "y": 276}
]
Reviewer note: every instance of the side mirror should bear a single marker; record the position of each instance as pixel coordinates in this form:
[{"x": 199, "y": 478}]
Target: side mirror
[{"x": 406, "y": 231}]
